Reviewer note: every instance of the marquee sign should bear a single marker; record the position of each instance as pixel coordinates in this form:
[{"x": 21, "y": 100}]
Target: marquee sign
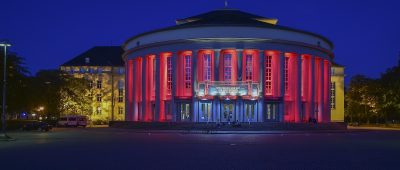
[{"x": 219, "y": 88}]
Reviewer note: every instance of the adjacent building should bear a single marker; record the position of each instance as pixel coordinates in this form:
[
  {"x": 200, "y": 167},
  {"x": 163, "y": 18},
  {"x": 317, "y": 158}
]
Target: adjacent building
[
  {"x": 337, "y": 93},
  {"x": 231, "y": 66},
  {"x": 104, "y": 70}
]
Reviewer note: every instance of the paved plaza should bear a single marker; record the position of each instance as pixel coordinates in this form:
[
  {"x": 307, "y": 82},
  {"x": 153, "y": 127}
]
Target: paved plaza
[{"x": 108, "y": 148}]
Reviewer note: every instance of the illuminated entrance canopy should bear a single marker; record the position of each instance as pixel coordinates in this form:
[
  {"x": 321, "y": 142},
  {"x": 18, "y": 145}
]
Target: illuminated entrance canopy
[{"x": 231, "y": 88}]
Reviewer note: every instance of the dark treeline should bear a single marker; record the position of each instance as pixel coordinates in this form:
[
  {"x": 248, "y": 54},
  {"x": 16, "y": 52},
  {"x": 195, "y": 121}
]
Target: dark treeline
[
  {"x": 370, "y": 100},
  {"x": 48, "y": 93}
]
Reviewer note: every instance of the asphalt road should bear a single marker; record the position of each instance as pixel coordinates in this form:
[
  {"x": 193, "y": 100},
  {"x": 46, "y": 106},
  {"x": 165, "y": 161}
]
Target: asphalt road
[{"x": 107, "y": 148}]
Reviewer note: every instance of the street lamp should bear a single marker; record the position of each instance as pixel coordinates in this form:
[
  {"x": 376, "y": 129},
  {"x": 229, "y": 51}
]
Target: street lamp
[
  {"x": 40, "y": 110},
  {"x": 3, "y": 115}
]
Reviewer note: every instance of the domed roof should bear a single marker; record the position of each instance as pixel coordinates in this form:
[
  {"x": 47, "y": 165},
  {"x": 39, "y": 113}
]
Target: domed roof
[{"x": 229, "y": 17}]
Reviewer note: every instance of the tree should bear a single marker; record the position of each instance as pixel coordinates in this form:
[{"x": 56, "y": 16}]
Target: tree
[
  {"x": 75, "y": 96},
  {"x": 390, "y": 93},
  {"x": 17, "y": 83},
  {"x": 361, "y": 99},
  {"x": 60, "y": 93}
]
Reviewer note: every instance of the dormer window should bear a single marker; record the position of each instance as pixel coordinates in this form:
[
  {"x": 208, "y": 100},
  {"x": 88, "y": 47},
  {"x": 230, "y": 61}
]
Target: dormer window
[{"x": 87, "y": 60}]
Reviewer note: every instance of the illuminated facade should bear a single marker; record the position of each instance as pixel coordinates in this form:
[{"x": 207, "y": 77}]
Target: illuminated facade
[
  {"x": 337, "y": 93},
  {"x": 104, "y": 69},
  {"x": 228, "y": 66}
]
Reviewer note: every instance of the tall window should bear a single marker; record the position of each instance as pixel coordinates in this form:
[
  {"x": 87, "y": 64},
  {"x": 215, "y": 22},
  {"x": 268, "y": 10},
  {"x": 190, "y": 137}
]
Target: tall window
[
  {"x": 188, "y": 72},
  {"x": 98, "y": 110},
  {"x": 121, "y": 84},
  {"x": 207, "y": 67},
  {"x": 169, "y": 75},
  {"x": 268, "y": 74},
  {"x": 98, "y": 97},
  {"x": 286, "y": 75},
  {"x": 249, "y": 67},
  {"x": 99, "y": 84},
  {"x": 120, "y": 95},
  {"x": 333, "y": 95},
  {"x": 120, "y": 110},
  {"x": 90, "y": 84},
  {"x": 228, "y": 67}
]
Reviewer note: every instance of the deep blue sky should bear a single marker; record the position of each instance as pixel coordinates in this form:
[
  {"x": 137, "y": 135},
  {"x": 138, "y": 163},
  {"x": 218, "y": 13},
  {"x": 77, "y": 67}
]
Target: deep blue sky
[{"x": 47, "y": 33}]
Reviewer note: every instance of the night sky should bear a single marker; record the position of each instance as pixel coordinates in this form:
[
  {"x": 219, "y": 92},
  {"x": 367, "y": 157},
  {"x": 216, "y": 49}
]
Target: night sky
[{"x": 48, "y": 33}]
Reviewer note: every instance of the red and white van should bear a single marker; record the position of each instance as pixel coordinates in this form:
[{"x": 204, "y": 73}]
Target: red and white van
[{"x": 73, "y": 121}]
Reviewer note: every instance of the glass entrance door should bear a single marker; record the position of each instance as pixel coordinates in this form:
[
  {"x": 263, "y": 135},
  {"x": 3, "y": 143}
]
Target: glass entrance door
[
  {"x": 228, "y": 113},
  {"x": 249, "y": 112},
  {"x": 185, "y": 112},
  {"x": 272, "y": 112},
  {"x": 205, "y": 114}
]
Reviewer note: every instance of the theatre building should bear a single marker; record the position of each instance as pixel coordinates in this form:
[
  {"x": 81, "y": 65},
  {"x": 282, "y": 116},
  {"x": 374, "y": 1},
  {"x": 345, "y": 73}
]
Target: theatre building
[{"x": 228, "y": 66}]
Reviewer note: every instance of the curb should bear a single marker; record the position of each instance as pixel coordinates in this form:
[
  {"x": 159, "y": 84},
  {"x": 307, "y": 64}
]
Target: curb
[{"x": 244, "y": 132}]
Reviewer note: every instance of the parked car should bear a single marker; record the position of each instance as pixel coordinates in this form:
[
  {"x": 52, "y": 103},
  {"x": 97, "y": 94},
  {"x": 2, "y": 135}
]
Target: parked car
[
  {"x": 73, "y": 121},
  {"x": 37, "y": 125}
]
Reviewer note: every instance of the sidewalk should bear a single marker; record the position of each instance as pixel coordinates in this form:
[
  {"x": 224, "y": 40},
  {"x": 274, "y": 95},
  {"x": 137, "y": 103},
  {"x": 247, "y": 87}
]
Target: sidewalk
[
  {"x": 371, "y": 128},
  {"x": 242, "y": 131}
]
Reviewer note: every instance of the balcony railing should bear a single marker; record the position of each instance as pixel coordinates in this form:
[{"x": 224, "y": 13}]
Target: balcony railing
[{"x": 228, "y": 88}]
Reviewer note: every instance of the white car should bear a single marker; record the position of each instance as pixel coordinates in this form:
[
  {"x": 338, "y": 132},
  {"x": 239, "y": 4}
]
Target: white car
[{"x": 73, "y": 121}]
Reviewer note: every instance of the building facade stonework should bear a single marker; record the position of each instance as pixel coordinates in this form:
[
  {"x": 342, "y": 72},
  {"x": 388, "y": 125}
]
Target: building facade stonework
[
  {"x": 229, "y": 66},
  {"x": 104, "y": 70}
]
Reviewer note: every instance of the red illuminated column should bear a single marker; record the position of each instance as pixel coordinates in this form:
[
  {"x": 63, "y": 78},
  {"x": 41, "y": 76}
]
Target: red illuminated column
[
  {"x": 312, "y": 87},
  {"x": 282, "y": 87},
  {"x": 173, "y": 94},
  {"x": 299, "y": 111},
  {"x": 144, "y": 87},
  {"x": 216, "y": 78},
  {"x": 195, "y": 65},
  {"x": 291, "y": 89},
  {"x": 157, "y": 116},
  {"x": 128, "y": 77},
  {"x": 137, "y": 92},
  {"x": 319, "y": 84},
  {"x": 327, "y": 79},
  {"x": 149, "y": 87},
  {"x": 307, "y": 86},
  {"x": 322, "y": 105}
]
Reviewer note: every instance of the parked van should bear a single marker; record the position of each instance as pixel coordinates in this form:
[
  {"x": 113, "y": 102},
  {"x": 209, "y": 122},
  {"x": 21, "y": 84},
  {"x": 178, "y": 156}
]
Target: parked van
[{"x": 73, "y": 120}]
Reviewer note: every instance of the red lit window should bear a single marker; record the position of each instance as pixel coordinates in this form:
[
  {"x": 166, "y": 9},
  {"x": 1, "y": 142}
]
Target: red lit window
[
  {"x": 228, "y": 67},
  {"x": 207, "y": 67},
  {"x": 188, "y": 72},
  {"x": 286, "y": 75},
  {"x": 268, "y": 75},
  {"x": 249, "y": 67},
  {"x": 169, "y": 75}
]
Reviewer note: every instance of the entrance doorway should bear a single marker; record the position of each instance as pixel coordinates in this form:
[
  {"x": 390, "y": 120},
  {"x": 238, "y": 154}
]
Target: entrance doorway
[
  {"x": 271, "y": 112},
  {"x": 205, "y": 114},
  {"x": 185, "y": 112},
  {"x": 227, "y": 112},
  {"x": 249, "y": 112}
]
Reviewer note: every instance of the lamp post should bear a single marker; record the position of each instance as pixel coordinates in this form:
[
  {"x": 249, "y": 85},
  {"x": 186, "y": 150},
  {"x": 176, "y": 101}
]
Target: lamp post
[
  {"x": 40, "y": 111},
  {"x": 3, "y": 115}
]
